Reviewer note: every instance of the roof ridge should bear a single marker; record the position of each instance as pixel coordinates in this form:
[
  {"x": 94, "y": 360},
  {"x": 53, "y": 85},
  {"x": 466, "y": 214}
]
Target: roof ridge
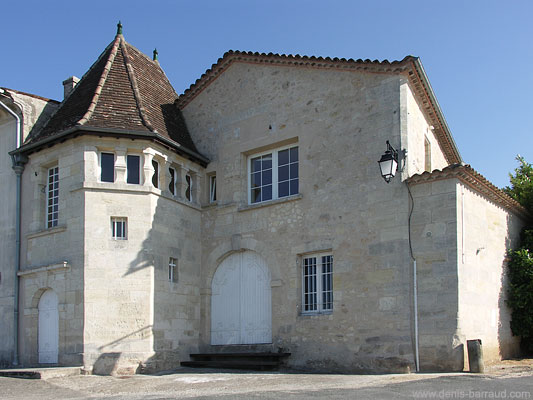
[
  {"x": 136, "y": 92},
  {"x": 232, "y": 56},
  {"x": 101, "y": 82}
]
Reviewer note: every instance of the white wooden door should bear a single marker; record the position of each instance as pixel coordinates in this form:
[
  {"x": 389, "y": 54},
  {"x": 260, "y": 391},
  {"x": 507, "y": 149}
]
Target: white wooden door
[
  {"x": 241, "y": 303},
  {"x": 48, "y": 328}
]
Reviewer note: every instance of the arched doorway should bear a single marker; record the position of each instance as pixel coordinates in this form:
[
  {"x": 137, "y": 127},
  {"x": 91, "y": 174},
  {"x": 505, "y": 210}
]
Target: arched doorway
[
  {"x": 48, "y": 328},
  {"x": 241, "y": 303}
]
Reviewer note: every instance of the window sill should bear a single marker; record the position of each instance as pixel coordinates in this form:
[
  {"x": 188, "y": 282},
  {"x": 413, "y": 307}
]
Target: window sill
[
  {"x": 315, "y": 314},
  {"x": 45, "y": 232},
  {"x": 270, "y": 202}
]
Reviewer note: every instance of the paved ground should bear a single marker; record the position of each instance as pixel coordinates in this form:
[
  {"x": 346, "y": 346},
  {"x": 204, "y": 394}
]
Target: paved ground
[{"x": 509, "y": 380}]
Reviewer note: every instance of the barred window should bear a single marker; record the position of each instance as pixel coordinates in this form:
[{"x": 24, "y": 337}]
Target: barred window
[
  {"x": 317, "y": 284},
  {"x": 119, "y": 228}
]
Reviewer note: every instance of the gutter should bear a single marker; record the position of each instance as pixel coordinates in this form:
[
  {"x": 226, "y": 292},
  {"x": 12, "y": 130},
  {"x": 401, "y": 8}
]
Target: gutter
[{"x": 19, "y": 161}]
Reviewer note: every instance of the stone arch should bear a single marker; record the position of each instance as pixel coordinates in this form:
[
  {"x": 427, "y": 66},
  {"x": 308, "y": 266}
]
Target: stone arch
[{"x": 228, "y": 248}]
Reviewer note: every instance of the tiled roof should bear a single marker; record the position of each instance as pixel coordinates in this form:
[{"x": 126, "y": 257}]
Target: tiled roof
[
  {"x": 30, "y": 95},
  {"x": 410, "y": 66},
  {"x": 473, "y": 179},
  {"x": 123, "y": 91}
]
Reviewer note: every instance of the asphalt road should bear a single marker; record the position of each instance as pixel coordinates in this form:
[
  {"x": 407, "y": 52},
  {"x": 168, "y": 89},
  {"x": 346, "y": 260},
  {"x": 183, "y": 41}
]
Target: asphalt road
[{"x": 208, "y": 385}]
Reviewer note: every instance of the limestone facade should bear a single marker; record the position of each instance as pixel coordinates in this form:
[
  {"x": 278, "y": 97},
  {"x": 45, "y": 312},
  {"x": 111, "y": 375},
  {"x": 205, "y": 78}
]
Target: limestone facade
[{"x": 144, "y": 302}]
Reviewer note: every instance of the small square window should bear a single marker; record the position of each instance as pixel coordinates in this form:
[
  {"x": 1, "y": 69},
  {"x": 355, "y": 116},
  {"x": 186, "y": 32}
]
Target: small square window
[
  {"x": 119, "y": 228},
  {"x": 173, "y": 270}
]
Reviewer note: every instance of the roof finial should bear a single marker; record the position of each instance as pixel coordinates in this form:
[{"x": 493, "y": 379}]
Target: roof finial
[
  {"x": 119, "y": 28},
  {"x": 155, "y": 54}
]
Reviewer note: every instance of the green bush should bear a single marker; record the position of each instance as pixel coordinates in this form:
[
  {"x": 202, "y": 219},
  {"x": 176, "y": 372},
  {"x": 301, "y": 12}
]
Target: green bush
[{"x": 520, "y": 293}]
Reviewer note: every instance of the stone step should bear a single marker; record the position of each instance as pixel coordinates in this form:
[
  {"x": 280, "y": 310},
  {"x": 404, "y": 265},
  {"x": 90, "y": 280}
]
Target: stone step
[
  {"x": 232, "y": 364},
  {"x": 242, "y": 360},
  {"x": 40, "y": 372}
]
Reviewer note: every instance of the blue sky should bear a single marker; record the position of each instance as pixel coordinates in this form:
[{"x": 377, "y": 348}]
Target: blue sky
[{"x": 478, "y": 54}]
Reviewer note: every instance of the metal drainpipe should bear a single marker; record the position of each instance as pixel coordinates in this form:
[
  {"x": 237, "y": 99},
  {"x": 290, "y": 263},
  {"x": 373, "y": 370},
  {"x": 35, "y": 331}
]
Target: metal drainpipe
[{"x": 18, "y": 166}]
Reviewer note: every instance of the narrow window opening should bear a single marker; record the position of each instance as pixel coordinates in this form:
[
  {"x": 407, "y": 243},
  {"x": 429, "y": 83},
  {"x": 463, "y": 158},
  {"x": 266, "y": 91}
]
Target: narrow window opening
[
  {"x": 427, "y": 155},
  {"x": 107, "y": 167},
  {"x": 173, "y": 270},
  {"x": 188, "y": 191},
  {"x": 213, "y": 188},
  {"x": 317, "y": 285},
  {"x": 155, "y": 176},
  {"x": 133, "y": 163},
  {"x": 172, "y": 183},
  {"x": 52, "y": 198}
]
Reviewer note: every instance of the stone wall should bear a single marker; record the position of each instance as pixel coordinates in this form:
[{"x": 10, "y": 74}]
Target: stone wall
[
  {"x": 340, "y": 121},
  {"x": 434, "y": 243},
  {"x": 135, "y": 318},
  {"x": 32, "y": 111},
  {"x": 44, "y": 248},
  {"x": 486, "y": 231}
]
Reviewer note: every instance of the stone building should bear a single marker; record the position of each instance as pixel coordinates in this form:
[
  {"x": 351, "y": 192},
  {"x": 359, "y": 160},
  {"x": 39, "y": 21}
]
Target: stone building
[{"x": 247, "y": 213}]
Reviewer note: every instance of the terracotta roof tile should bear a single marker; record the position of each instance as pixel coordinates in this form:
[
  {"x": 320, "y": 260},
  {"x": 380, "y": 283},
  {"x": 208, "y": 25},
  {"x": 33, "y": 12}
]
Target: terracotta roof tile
[{"x": 124, "y": 90}]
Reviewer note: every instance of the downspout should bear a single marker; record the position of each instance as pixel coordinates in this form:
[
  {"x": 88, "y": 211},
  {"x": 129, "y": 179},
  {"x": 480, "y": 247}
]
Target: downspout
[
  {"x": 415, "y": 284},
  {"x": 18, "y": 166}
]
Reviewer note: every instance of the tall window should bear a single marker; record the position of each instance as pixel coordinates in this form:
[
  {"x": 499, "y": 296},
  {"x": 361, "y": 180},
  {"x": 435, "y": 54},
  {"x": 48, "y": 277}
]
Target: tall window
[
  {"x": 172, "y": 183},
  {"x": 155, "y": 176},
  {"x": 107, "y": 167},
  {"x": 119, "y": 228},
  {"x": 212, "y": 188},
  {"x": 173, "y": 270},
  {"x": 52, "y": 197},
  {"x": 273, "y": 175},
  {"x": 133, "y": 164},
  {"x": 317, "y": 284}
]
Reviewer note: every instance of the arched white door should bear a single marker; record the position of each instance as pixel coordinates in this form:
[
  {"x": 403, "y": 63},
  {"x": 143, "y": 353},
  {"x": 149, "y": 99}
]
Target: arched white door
[
  {"x": 241, "y": 303},
  {"x": 48, "y": 328}
]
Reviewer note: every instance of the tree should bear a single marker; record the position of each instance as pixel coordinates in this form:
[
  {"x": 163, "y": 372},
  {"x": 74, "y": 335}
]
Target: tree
[
  {"x": 521, "y": 188},
  {"x": 520, "y": 294}
]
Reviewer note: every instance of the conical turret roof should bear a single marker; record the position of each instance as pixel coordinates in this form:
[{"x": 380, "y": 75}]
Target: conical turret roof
[{"x": 124, "y": 92}]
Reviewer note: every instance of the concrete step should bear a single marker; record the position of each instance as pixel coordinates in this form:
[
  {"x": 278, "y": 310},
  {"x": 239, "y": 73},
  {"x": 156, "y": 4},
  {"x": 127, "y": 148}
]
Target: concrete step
[{"x": 40, "y": 372}]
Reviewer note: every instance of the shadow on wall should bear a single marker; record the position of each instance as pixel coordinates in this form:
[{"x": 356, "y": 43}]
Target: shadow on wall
[
  {"x": 507, "y": 343},
  {"x": 106, "y": 364},
  {"x": 173, "y": 234}
]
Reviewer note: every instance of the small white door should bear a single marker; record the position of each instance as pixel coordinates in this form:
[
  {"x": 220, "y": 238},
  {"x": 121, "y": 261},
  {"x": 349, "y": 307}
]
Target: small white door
[
  {"x": 241, "y": 303},
  {"x": 48, "y": 328}
]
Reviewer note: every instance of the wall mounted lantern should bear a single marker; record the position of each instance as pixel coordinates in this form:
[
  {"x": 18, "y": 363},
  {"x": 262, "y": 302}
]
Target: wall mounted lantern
[{"x": 388, "y": 164}]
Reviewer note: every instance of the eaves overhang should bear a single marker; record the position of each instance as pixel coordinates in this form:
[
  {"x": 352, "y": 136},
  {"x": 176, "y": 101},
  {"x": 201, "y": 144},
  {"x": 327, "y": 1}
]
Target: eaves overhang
[
  {"x": 419, "y": 80},
  {"x": 70, "y": 133}
]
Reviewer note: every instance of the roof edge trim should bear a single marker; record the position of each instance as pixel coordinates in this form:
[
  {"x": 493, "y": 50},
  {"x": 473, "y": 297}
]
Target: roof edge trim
[
  {"x": 88, "y": 130},
  {"x": 477, "y": 182}
]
